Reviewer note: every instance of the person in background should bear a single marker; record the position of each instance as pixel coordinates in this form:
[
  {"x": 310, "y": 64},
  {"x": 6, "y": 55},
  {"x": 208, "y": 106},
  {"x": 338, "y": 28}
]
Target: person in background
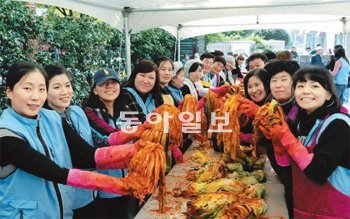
[
  {"x": 196, "y": 56},
  {"x": 256, "y": 60},
  {"x": 317, "y": 58},
  {"x": 186, "y": 58},
  {"x": 294, "y": 53},
  {"x": 330, "y": 65},
  {"x": 308, "y": 50},
  {"x": 165, "y": 69},
  {"x": 340, "y": 73},
  {"x": 270, "y": 55},
  {"x": 232, "y": 73},
  {"x": 175, "y": 85},
  {"x": 39, "y": 152},
  {"x": 320, "y": 151},
  {"x": 216, "y": 76},
  {"x": 177, "y": 82},
  {"x": 240, "y": 64},
  {"x": 193, "y": 71},
  {"x": 208, "y": 60},
  {"x": 284, "y": 56}
]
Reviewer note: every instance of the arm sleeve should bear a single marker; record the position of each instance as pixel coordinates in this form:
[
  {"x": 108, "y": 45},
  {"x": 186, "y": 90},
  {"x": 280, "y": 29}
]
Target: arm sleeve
[
  {"x": 185, "y": 90},
  {"x": 331, "y": 151},
  {"x": 336, "y": 68},
  {"x": 19, "y": 153},
  {"x": 82, "y": 153},
  {"x": 97, "y": 123}
]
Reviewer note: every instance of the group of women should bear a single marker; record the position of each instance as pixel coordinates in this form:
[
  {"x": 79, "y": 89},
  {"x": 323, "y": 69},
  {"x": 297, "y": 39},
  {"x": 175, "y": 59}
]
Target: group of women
[
  {"x": 53, "y": 146},
  {"x": 310, "y": 150}
]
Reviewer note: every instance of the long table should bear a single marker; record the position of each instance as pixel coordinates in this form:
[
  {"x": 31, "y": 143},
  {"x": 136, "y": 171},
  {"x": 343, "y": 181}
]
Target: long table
[{"x": 176, "y": 206}]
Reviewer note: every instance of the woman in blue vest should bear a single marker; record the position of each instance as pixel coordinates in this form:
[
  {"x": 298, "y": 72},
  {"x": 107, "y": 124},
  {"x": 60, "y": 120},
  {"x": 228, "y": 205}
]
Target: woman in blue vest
[
  {"x": 103, "y": 108},
  {"x": 141, "y": 93},
  {"x": 59, "y": 97},
  {"x": 340, "y": 73},
  {"x": 39, "y": 150},
  {"x": 177, "y": 82},
  {"x": 321, "y": 150}
]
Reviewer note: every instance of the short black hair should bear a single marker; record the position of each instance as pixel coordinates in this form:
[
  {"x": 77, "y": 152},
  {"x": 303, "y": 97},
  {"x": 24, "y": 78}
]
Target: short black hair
[
  {"x": 20, "y": 69},
  {"x": 257, "y": 55},
  {"x": 220, "y": 59},
  {"x": 55, "y": 69},
  {"x": 278, "y": 66},
  {"x": 320, "y": 75},
  {"x": 206, "y": 56},
  {"x": 263, "y": 76}
]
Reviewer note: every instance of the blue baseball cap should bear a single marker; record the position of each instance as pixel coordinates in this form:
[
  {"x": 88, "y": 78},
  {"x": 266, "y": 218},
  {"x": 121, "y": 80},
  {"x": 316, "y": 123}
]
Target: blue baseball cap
[{"x": 102, "y": 75}]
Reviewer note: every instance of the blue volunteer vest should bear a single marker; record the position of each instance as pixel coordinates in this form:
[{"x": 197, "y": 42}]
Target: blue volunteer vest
[
  {"x": 24, "y": 195},
  {"x": 342, "y": 76},
  {"x": 82, "y": 127},
  {"x": 118, "y": 173},
  {"x": 339, "y": 179}
]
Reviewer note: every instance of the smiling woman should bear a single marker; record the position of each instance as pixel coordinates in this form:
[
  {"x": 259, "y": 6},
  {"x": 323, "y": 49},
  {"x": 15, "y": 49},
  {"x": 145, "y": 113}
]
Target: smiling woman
[
  {"x": 141, "y": 92},
  {"x": 319, "y": 149}
]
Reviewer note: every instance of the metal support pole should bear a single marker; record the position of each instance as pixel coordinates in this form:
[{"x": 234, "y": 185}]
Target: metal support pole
[
  {"x": 178, "y": 42},
  {"x": 126, "y": 13}
]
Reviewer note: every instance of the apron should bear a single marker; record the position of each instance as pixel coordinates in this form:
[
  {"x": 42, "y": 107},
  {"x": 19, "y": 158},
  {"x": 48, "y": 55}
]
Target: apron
[{"x": 312, "y": 200}]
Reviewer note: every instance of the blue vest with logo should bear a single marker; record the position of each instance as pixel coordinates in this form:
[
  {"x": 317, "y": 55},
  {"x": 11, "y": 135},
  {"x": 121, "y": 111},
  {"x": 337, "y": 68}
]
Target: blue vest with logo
[{"x": 24, "y": 195}]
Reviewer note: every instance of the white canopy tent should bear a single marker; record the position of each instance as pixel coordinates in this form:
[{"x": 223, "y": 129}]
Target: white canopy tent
[{"x": 197, "y": 17}]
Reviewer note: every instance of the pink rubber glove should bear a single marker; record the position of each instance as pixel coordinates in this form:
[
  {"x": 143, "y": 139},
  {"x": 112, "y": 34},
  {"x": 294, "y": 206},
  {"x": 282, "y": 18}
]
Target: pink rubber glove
[
  {"x": 247, "y": 107},
  {"x": 295, "y": 149},
  {"x": 248, "y": 138},
  {"x": 120, "y": 137},
  {"x": 281, "y": 136},
  {"x": 201, "y": 103},
  {"x": 222, "y": 90},
  {"x": 114, "y": 157},
  {"x": 177, "y": 155},
  {"x": 96, "y": 181}
]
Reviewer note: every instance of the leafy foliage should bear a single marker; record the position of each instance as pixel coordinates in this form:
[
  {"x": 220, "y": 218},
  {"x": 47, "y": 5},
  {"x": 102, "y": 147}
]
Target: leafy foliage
[
  {"x": 157, "y": 42},
  {"x": 256, "y": 35},
  {"x": 80, "y": 43}
]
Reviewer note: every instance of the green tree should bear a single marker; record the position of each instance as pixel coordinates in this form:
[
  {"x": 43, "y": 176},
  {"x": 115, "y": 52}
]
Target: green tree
[
  {"x": 151, "y": 44},
  {"x": 18, "y": 27},
  {"x": 274, "y": 34},
  {"x": 79, "y": 42}
]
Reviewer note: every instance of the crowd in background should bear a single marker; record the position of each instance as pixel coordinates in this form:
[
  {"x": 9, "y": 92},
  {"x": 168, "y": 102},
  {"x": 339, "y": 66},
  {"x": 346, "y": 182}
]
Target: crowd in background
[{"x": 60, "y": 150}]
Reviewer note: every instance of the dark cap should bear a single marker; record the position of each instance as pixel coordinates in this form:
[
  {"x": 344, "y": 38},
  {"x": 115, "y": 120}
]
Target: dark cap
[
  {"x": 102, "y": 75},
  {"x": 277, "y": 66}
]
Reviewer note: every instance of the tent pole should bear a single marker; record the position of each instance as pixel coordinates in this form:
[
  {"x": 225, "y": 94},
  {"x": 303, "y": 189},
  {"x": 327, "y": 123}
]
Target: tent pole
[
  {"x": 126, "y": 13},
  {"x": 345, "y": 35},
  {"x": 178, "y": 42}
]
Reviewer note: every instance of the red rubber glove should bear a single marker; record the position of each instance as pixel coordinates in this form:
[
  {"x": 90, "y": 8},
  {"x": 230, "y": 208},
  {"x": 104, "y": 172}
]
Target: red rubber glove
[
  {"x": 114, "y": 157},
  {"x": 247, "y": 107},
  {"x": 121, "y": 137},
  {"x": 247, "y": 138},
  {"x": 96, "y": 181},
  {"x": 201, "y": 103},
  {"x": 222, "y": 90},
  {"x": 282, "y": 136},
  {"x": 177, "y": 155}
]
